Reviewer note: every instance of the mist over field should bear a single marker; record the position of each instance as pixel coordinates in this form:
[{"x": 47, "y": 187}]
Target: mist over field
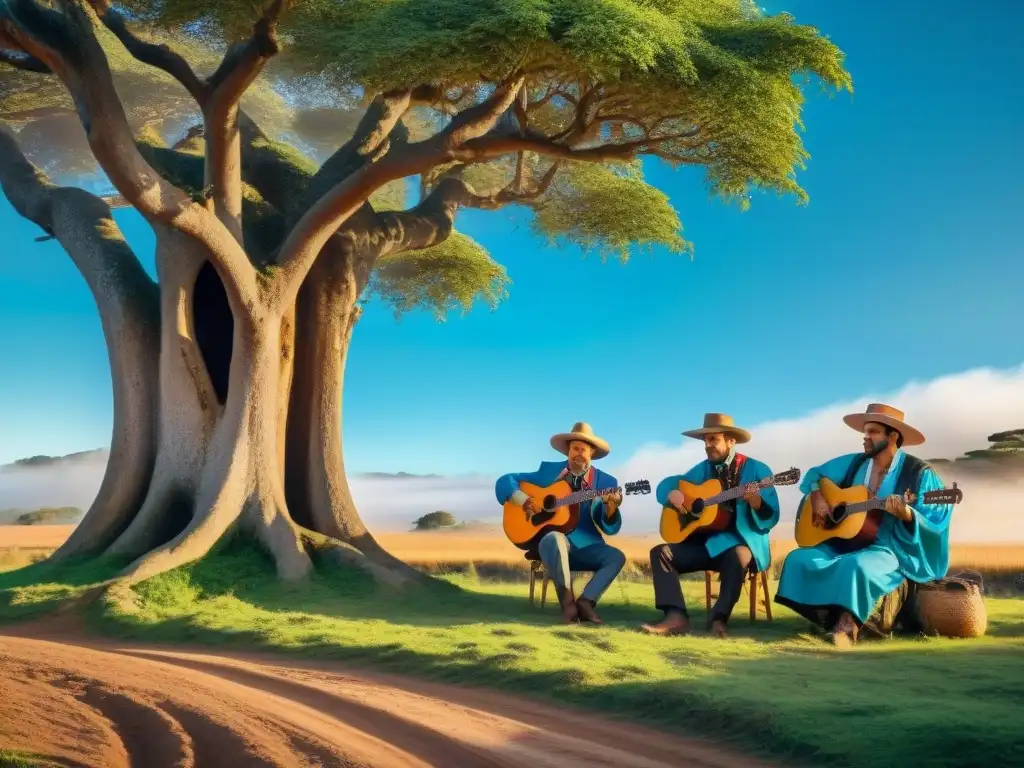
[{"x": 956, "y": 414}]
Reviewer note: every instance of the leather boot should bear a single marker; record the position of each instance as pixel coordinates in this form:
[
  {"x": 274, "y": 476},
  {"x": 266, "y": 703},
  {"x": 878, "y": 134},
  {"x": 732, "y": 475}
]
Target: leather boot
[
  {"x": 587, "y": 613},
  {"x": 568, "y": 603}
]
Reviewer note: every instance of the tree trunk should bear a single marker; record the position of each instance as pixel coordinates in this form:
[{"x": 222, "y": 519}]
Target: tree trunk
[
  {"x": 316, "y": 483},
  {"x": 221, "y": 398},
  {"x": 246, "y": 405}
]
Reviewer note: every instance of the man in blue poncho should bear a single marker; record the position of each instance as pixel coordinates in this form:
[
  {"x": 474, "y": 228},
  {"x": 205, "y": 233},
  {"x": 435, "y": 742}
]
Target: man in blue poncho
[
  {"x": 838, "y": 591},
  {"x": 584, "y": 548},
  {"x": 730, "y": 551}
]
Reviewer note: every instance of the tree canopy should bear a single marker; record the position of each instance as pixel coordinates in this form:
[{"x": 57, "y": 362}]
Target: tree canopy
[{"x": 710, "y": 83}]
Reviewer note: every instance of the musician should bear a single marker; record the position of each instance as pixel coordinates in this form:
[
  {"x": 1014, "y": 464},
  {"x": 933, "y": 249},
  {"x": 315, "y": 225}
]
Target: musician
[
  {"x": 839, "y": 591},
  {"x": 728, "y": 552},
  {"x": 584, "y": 548}
]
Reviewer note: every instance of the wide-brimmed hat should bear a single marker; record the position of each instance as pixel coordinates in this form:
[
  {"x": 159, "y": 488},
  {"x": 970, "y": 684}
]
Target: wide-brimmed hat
[
  {"x": 715, "y": 423},
  {"x": 580, "y": 431},
  {"x": 885, "y": 414}
]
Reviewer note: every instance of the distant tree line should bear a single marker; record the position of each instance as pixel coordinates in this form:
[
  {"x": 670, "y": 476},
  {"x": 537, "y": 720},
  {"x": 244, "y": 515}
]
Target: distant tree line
[
  {"x": 435, "y": 520},
  {"x": 41, "y": 516},
  {"x": 1006, "y": 450}
]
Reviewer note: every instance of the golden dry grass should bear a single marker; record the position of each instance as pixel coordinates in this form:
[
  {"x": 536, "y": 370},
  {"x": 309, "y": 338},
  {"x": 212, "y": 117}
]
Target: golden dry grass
[{"x": 487, "y": 548}]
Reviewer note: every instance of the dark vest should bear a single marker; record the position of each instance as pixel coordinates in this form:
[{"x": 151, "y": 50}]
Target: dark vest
[{"x": 909, "y": 476}]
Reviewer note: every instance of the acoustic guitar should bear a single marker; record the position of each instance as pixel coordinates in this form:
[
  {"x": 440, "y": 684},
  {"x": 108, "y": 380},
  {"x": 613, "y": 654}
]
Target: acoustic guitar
[
  {"x": 855, "y": 517},
  {"x": 557, "y": 509},
  {"x": 702, "y": 506}
]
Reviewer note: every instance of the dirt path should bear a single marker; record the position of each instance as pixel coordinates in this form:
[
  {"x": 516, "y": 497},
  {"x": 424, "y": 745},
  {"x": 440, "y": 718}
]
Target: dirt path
[{"x": 89, "y": 702}]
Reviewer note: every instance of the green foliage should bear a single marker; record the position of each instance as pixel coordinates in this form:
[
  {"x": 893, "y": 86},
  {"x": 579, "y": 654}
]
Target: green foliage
[
  {"x": 608, "y": 209},
  {"x": 435, "y": 520},
  {"x": 718, "y": 66},
  {"x": 150, "y": 97},
  {"x": 391, "y": 197},
  {"x": 720, "y": 76},
  {"x": 452, "y": 274}
]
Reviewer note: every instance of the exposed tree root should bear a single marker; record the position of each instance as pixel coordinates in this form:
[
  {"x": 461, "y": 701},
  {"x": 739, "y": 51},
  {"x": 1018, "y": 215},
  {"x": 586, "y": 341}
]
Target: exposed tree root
[
  {"x": 143, "y": 533},
  {"x": 346, "y": 555}
]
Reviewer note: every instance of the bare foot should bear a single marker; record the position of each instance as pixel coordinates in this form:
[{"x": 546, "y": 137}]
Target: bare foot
[
  {"x": 587, "y": 612},
  {"x": 718, "y": 629},
  {"x": 675, "y": 623},
  {"x": 844, "y": 633}
]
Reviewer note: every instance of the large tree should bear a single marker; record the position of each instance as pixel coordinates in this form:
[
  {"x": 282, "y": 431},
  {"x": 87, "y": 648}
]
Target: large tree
[{"x": 227, "y": 370}]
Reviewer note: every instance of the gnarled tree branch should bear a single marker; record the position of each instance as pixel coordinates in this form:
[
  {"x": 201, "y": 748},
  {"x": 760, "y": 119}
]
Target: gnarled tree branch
[
  {"x": 21, "y": 60},
  {"x": 241, "y": 66},
  {"x": 498, "y": 144},
  {"x": 370, "y": 135},
  {"x": 128, "y": 304},
  {"x": 155, "y": 55},
  {"x": 431, "y": 221},
  {"x": 347, "y": 196},
  {"x": 67, "y": 44},
  {"x": 473, "y": 122}
]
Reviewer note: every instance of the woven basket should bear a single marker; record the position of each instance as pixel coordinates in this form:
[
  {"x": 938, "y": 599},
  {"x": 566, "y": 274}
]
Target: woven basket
[{"x": 952, "y": 607}]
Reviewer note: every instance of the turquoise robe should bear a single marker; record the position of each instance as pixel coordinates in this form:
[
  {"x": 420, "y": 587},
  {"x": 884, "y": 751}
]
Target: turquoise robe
[
  {"x": 750, "y": 528},
  {"x": 593, "y": 521},
  {"x": 822, "y": 578}
]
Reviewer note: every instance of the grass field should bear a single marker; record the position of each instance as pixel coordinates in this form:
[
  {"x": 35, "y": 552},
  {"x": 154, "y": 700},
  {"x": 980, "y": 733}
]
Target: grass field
[
  {"x": 770, "y": 689},
  {"x": 21, "y": 760},
  {"x": 492, "y": 556}
]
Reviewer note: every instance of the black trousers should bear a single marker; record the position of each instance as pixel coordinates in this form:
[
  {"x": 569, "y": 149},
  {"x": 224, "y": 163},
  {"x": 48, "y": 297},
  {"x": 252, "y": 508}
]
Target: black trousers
[{"x": 670, "y": 560}]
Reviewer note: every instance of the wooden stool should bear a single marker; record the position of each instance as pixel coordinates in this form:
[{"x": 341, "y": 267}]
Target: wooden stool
[{"x": 751, "y": 581}]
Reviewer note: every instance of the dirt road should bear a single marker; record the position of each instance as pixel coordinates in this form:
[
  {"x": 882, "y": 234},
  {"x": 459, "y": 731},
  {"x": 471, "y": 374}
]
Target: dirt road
[{"x": 85, "y": 702}]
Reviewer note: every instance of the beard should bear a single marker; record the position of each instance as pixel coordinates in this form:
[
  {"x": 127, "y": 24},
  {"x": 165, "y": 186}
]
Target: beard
[
  {"x": 716, "y": 457},
  {"x": 876, "y": 448}
]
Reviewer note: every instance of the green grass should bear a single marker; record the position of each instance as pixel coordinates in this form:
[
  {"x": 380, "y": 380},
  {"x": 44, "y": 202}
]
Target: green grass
[
  {"x": 771, "y": 689},
  {"x": 10, "y": 759}
]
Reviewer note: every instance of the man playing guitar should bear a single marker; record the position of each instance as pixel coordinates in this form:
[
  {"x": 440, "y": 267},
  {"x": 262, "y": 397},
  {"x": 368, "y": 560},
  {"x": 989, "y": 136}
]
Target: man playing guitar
[
  {"x": 728, "y": 551},
  {"x": 584, "y": 548}
]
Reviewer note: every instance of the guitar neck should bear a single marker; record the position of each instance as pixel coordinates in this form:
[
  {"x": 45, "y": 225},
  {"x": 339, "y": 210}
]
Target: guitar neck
[
  {"x": 735, "y": 493},
  {"x": 869, "y": 504},
  {"x": 865, "y": 506},
  {"x": 581, "y": 496}
]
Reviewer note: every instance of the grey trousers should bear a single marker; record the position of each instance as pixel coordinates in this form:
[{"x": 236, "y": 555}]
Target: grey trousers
[{"x": 560, "y": 556}]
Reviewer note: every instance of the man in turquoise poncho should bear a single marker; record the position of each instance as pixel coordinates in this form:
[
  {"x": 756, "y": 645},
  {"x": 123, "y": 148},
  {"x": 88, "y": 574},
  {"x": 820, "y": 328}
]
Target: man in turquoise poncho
[
  {"x": 728, "y": 552},
  {"x": 583, "y": 549},
  {"x": 838, "y": 591}
]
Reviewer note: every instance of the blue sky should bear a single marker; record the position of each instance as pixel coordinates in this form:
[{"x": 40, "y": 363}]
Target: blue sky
[{"x": 915, "y": 181}]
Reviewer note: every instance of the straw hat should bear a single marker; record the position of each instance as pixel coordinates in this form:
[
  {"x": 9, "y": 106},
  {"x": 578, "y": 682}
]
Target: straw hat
[
  {"x": 580, "y": 431},
  {"x": 715, "y": 423},
  {"x": 885, "y": 414}
]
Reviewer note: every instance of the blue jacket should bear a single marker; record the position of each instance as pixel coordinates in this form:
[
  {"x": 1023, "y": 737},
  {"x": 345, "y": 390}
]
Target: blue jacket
[
  {"x": 593, "y": 522},
  {"x": 752, "y": 528}
]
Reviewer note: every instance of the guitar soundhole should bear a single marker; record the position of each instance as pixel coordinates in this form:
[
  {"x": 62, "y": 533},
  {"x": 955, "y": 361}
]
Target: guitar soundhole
[
  {"x": 549, "y": 502},
  {"x": 837, "y": 516},
  {"x": 697, "y": 507}
]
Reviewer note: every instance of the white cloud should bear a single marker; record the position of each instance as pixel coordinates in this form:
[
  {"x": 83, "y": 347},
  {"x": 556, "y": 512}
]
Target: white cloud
[{"x": 956, "y": 413}]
